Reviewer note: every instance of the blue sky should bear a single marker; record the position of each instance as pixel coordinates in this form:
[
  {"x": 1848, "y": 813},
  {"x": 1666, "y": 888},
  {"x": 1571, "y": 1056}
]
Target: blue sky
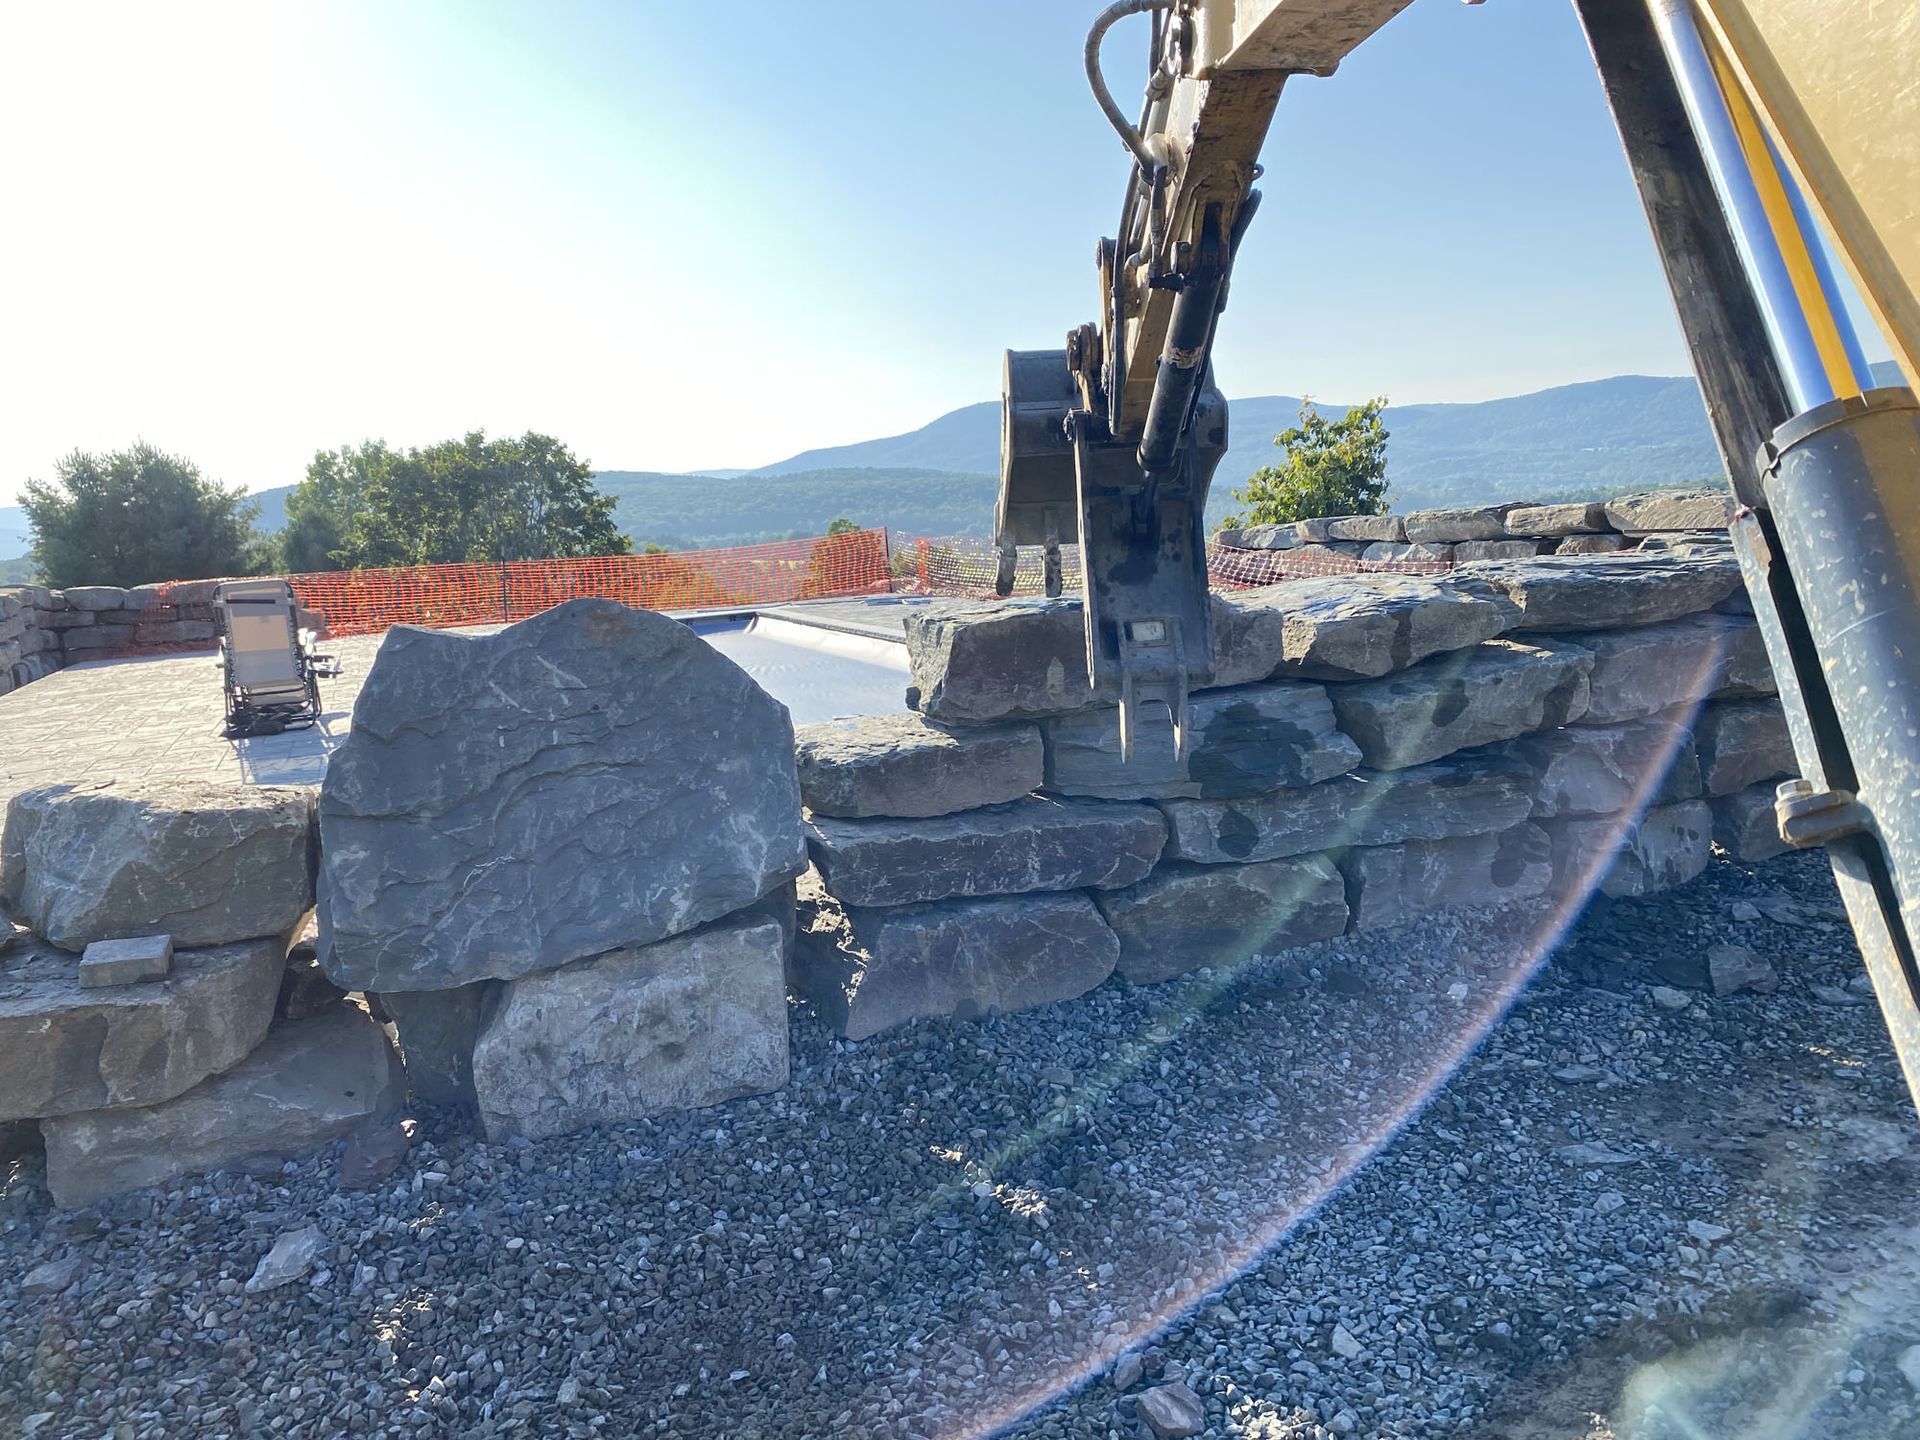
[{"x": 686, "y": 235}]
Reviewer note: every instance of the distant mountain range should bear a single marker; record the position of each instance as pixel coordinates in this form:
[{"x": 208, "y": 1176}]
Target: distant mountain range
[{"x": 1596, "y": 438}]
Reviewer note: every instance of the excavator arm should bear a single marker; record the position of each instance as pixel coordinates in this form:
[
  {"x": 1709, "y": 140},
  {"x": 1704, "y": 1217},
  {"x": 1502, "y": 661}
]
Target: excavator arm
[{"x": 1113, "y": 440}]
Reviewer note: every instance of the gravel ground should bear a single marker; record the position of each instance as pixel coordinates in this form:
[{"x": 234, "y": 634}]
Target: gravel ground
[{"x": 1297, "y": 1189}]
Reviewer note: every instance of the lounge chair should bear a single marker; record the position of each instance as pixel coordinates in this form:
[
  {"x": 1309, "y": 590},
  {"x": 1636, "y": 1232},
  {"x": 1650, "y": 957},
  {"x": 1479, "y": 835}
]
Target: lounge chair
[{"x": 271, "y": 675}]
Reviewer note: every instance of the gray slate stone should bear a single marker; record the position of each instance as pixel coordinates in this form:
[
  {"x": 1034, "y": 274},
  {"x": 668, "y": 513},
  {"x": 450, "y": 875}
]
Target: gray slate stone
[
  {"x": 206, "y": 863},
  {"x": 65, "y": 1049},
  {"x": 1183, "y": 916},
  {"x": 1495, "y": 691},
  {"x": 1666, "y": 847},
  {"x": 1734, "y": 968},
  {"x": 1741, "y": 743},
  {"x": 126, "y": 962},
  {"x": 979, "y": 660},
  {"x": 1264, "y": 537},
  {"x": 684, "y": 1023},
  {"x": 909, "y": 766},
  {"x": 1606, "y": 592},
  {"x": 1388, "y": 552},
  {"x": 590, "y": 778},
  {"x": 1040, "y": 843},
  {"x": 1245, "y": 741},
  {"x": 1605, "y": 544},
  {"x": 1172, "y": 1411},
  {"x": 1352, "y": 626},
  {"x": 1602, "y": 769},
  {"x": 1467, "y": 794},
  {"x": 1469, "y": 550},
  {"x": 1471, "y": 522},
  {"x": 868, "y": 970},
  {"x": 1649, "y": 669},
  {"x": 96, "y": 597},
  {"x": 309, "y": 1082},
  {"x": 1551, "y": 521},
  {"x": 1745, "y": 825},
  {"x": 1392, "y": 884},
  {"x": 437, "y": 1030},
  {"x": 1671, "y": 510},
  {"x": 1366, "y": 527}
]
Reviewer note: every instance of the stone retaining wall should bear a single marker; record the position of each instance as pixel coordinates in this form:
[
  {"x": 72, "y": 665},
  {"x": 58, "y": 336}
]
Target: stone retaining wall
[
  {"x": 1510, "y": 530},
  {"x": 1393, "y": 745},
  {"x": 42, "y": 630}
]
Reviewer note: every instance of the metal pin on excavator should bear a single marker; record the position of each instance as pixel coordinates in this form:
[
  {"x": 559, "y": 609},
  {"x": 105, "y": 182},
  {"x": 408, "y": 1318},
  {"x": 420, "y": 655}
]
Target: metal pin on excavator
[{"x": 1749, "y": 126}]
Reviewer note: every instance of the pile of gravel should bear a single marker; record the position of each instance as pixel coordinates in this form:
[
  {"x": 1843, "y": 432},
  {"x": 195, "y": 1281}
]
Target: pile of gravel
[{"x": 1296, "y": 1191}]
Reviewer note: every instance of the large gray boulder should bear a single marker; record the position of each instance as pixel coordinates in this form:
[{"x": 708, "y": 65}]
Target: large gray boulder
[
  {"x": 1581, "y": 517},
  {"x": 979, "y": 660},
  {"x": 1470, "y": 522},
  {"x": 592, "y": 778},
  {"x": 1245, "y": 741},
  {"x": 1039, "y": 843},
  {"x": 1366, "y": 527},
  {"x": 680, "y": 1024},
  {"x": 1741, "y": 743},
  {"x": 1601, "y": 769},
  {"x": 1350, "y": 627},
  {"x": 1184, "y": 916},
  {"x": 1466, "y": 794},
  {"x": 310, "y": 1082},
  {"x": 1659, "y": 510},
  {"x": 1624, "y": 857},
  {"x": 868, "y": 970},
  {"x": 910, "y": 767},
  {"x": 1392, "y": 884},
  {"x": 1652, "y": 668},
  {"x": 1604, "y": 592},
  {"x": 205, "y": 862},
  {"x": 66, "y": 1048},
  {"x": 1495, "y": 691}
]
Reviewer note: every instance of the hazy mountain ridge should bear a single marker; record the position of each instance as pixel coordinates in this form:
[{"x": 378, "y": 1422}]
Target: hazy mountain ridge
[{"x": 1590, "y": 439}]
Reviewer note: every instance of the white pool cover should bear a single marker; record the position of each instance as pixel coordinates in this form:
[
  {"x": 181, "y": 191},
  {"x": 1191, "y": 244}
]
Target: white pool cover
[{"x": 816, "y": 672}]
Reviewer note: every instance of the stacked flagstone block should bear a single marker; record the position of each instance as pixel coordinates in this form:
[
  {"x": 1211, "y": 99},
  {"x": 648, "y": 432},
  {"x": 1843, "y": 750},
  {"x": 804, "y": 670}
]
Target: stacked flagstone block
[
  {"x": 1510, "y": 530},
  {"x": 42, "y": 630},
  {"x": 144, "y": 1023},
  {"x": 1377, "y": 746}
]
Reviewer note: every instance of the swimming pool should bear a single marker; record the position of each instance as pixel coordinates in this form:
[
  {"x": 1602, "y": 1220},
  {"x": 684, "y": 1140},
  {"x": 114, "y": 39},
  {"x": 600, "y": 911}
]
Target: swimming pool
[{"x": 816, "y": 672}]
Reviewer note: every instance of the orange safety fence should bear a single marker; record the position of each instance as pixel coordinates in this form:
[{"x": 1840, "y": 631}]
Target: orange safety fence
[{"x": 360, "y": 602}]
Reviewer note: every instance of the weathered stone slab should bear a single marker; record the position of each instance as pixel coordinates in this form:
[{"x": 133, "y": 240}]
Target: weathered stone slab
[
  {"x": 96, "y": 597},
  {"x": 868, "y": 970},
  {"x": 1470, "y": 550},
  {"x": 1246, "y": 741},
  {"x": 1606, "y": 592},
  {"x": 437, "y": 1030},
  {"x": 1741, "y": 743},
  {"x": 1352, "y": 627},
  {"x": 126, "y": 962},
  {"x": 1392, "y": 884},
  {"x": 979, "y": 660},
  {"x": 1388, "y": 552},
  {"x": 1040, "y": 843},
  {"x": 1471, "y": 522},
  {"x": 1671, "y": 510},
  {"x": 909, "y": 766},
  {"x": 1551, "y": 521},
  {"x": 1602, "y": 769},
  {"x": 1590, "y": 545},
  {"x": 310, "y": 1082},
  {"x": 1649, "y": 669},
  {"x": 684, "y": 1023},
  {"x": 1366, "y": 527},
  {"x": 205, "y": 862},
  {"x": 1266, "y": 537},
  {"x": 1183, "y": 917},
  {"x": 1745, "y": 826},
  {"x": 1666, "y": 847},
  {"x": 65, "y": 1049},
  {"x": 99, "y": 637},
  {"x": 1495, "y": 691},
  {"x": 590, "y": 778},
  {"x": 1467, "y": 794}
]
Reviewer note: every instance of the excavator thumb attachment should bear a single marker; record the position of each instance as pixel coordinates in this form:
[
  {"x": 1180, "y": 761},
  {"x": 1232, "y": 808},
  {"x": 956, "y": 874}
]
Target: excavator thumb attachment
[{"x": 1142, "y": 538}]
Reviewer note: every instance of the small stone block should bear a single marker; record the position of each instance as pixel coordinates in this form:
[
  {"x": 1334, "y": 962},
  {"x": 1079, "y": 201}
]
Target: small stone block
[{"x": 126, "y": 962}]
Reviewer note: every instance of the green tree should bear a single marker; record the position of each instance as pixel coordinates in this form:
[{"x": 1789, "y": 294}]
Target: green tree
[
  {"x": 478, "y": 499},
  {"x": 1330, "y": 467},
  {"x": 322, "y": 508},
  {"x": 841, "y": 526},
  {"x": 135, "y": 516}
]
